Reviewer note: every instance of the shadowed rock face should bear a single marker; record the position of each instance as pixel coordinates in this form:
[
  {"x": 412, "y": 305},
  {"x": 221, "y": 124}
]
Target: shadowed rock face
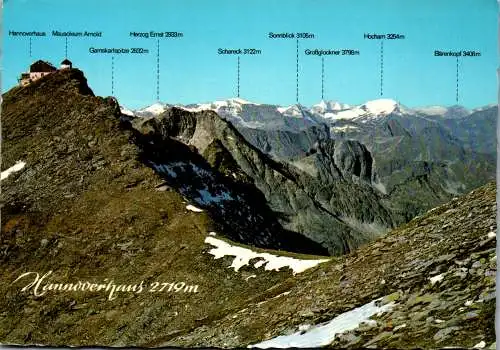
[
  {"x": 350, "y": 159},
  {"x": 214, "y": 182}
]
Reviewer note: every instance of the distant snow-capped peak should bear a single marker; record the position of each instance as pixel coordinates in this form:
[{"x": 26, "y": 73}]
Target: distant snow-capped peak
[
  {"x": 380, "y": 106},
  {"x": 230, "y": 105}
]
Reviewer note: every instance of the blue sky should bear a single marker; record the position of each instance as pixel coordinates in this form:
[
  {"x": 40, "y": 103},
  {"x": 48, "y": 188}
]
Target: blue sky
[{"x": 192, "y": 71}]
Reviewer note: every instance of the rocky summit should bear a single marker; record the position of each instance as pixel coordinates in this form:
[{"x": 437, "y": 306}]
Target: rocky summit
[{"x": 173, "y": 229}]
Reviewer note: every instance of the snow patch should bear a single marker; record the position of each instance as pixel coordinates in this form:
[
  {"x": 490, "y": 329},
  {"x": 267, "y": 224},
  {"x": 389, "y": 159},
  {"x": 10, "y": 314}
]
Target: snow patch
[
  {"x": 324, "y": 334},
  {"x": 162, "y": 188},
  {"x": 13, "y": 169},
  {"x": 397, "y": 328},
  {"x": 304, "y": 327},
  {"x": 347, "y": 114},
  {"x": 253, "y": 124},
  {"x": 437, "y": 278},
  {"x": 371, "y": 110},
  {"x": 213, "y": 106},
  {"x": 371, "y": 229},
  {"x": 242, "y": 257},
  {"x": 290, "y": 111},
  {"x": 328, "y": 106},
  {"x": 380, "y": 187},
  {"x": 275, "y": 297},
  {"x": 168, "y": 168},
  {"x": 242, "y": 101},
  {"x": 193, "y": 208},
  {"x": 251, "y": 276},
  {"x": 208, "y": 198},
  {"x": 230, "y": 106}
]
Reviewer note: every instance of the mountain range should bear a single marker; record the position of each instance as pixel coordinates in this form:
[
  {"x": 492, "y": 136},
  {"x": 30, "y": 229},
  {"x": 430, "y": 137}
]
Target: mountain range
[
  {"x": 292, "y": 235},
  {"x": 296, "y": 117}
]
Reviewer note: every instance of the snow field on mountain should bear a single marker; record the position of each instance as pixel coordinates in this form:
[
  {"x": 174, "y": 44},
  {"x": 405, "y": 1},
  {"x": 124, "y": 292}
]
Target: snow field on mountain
[
  {"x": 242, "y": 257},
  {"x": 156, "y": 108},
  {"x": 380, "y": 106},
  {"x": 126, "y": 111}
]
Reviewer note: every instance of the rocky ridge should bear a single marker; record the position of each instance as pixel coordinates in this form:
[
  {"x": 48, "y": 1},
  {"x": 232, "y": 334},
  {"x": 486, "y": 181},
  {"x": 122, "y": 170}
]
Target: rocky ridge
[
  {"x": 340, "y": 214},
  {"x": 87, "y": 208}
]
